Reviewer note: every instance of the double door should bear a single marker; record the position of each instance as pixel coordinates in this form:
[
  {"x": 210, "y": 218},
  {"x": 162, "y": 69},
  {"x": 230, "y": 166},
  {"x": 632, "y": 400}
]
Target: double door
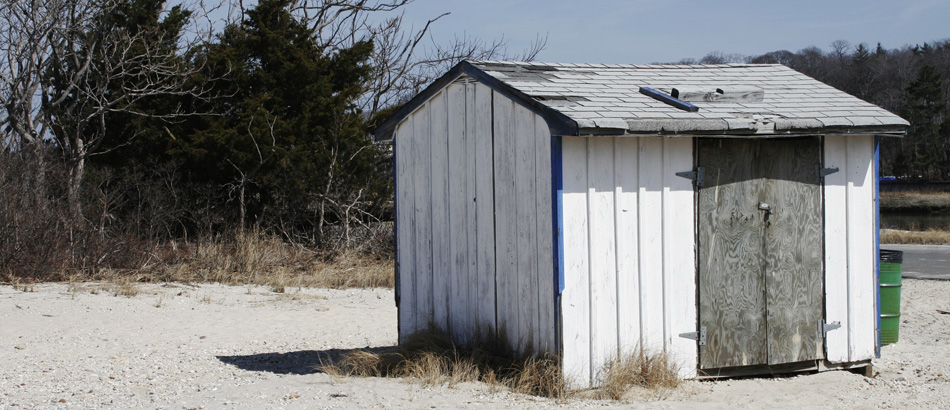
[{"x": 760, "y": 251}]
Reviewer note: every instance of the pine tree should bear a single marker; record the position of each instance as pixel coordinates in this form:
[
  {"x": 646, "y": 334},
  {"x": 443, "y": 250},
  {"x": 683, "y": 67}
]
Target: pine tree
[
  {"x": 926, "y": 109},
  {"x": 292, "y": 145}
]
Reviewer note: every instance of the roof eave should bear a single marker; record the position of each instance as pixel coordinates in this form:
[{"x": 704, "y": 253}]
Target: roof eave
[{"x": 881, "y": 131}]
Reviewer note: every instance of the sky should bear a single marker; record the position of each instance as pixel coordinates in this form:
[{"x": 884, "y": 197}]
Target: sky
[{"x": 652, "y": 31}]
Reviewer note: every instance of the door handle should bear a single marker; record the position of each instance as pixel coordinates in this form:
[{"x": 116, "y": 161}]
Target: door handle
[{"x": 768, "y": 212}]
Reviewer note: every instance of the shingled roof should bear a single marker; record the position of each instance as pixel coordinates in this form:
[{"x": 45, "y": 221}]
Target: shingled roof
[{"x": 727, "y": 99}]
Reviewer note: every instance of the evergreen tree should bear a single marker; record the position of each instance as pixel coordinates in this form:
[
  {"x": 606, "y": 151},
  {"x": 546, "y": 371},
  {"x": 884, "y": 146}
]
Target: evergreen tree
[
  {"x": 291, "y": 145},
  {"x": 138, "y": 135},
  {"x": 860, "y": 73},
  {"x": 926, "y": 109}
]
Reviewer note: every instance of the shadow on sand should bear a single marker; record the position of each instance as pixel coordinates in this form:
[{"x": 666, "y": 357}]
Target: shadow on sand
[{"x": 299, "y": 362}]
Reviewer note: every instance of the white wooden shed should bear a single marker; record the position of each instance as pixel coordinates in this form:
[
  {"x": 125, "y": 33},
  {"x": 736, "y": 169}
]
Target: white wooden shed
[{"x": 724, "y": 214}]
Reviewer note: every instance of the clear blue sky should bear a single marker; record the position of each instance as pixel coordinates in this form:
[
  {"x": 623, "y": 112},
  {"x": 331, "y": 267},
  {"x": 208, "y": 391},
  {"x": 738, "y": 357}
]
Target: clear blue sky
[{"x": 647, "y": 31}]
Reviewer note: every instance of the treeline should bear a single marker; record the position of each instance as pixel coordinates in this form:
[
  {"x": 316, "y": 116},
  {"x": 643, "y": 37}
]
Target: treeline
[
  {"x": 127, "y": 124},
  {"x": 913, "y": 82}
]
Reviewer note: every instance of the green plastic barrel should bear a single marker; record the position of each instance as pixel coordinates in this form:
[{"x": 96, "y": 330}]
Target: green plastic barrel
[{"x": 890, "y": 282}]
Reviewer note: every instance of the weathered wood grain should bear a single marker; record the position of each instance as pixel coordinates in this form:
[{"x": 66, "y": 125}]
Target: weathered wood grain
[
  {"x": 422, "y": 171},
  {"x": 439, "y": 189},
  {"x": 602, "y": 252},
  {"x": 731, "y": 283},
  {"x": 679, "y": 254},
  {"x": 629, "y": 276},
  {"x": 546, "y": 296},
  {"x": 793, "y": 268},
  {"x": 470, "y": 284},
  {"x": 405, "y": 226},
  {"x": 506, "y": 247},
  {"x": 626, "y": 170},
  {"x": 526, "y": 207},
  {"x": 760, "y": 270},
  {"x": 458, "y": 235},
  {"x": 836, "y": 248},
  {"x": 484, "y": 207},
  {"x": 575, "y": 300},
  {"x": 474, "y": 177},
  {"x": 861, "y": 257},
  {"x": 650, "y": 241}
]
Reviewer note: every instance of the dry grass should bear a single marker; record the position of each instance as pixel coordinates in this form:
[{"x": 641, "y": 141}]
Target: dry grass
[
  {"x": 241, "y": 259},
  {"x": 255, "y": 258},
  {"x": 916, "y": 202},
  {"x": 655, "y": 371},
  {"x": 929, "y": 237},
  {"x": 431, "y": 357},
  {"x": 922, "y": 201},
  {"x": 249, "y": 258}
]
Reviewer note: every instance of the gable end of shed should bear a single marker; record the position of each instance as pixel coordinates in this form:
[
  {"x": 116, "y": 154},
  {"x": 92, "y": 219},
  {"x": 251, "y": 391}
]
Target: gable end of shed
[{"x": 558, "y": 123}]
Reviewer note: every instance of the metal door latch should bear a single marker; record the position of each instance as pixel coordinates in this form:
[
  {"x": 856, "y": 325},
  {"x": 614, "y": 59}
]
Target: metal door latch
[
  {"x": 699, "y": 336},
  {"x": 765, "y": 207}
]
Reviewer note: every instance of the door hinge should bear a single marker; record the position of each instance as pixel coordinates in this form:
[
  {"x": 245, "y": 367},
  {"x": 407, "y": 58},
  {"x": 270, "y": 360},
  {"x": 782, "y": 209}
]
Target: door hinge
[
  {"x": 697, "y": 176},
  {"x": 823, "y": 172},
  {"x": 824, "y": 328},
  {"x": 699, "y": 336}
]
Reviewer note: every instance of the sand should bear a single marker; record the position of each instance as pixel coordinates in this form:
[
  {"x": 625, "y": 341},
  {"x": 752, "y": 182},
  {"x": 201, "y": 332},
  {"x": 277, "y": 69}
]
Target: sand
[{"x": 177, "y": 346}]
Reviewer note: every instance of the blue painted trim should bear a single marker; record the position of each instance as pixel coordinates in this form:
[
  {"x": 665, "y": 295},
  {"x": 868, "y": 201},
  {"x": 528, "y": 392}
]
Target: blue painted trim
[
  {"x": 877, "y": 242},
  {"x": 557, "y": 182}
]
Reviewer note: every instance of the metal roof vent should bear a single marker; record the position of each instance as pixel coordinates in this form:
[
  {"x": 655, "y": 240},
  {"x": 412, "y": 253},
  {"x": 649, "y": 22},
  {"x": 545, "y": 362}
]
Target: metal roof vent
[
  {"x": 673, "y": 101},
  {"x": 731, "y": 94}
]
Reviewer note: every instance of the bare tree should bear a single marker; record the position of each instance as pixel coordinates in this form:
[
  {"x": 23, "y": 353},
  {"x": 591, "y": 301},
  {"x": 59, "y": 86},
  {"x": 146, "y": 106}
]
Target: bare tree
[
  {"x": 29, "y": 34},
  {"x": 405, "y": 59},
  {"x": 67, "y": 65}
]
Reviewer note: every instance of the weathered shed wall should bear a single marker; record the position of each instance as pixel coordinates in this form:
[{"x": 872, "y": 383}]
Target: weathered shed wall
[
  {"x": 474, "y": 218},
  {"x": 850, "y": 282},
  {"x": 629, "y": 252}
]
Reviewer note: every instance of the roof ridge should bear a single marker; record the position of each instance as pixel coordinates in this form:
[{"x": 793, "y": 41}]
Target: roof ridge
[{"x": 623, "y": 66}]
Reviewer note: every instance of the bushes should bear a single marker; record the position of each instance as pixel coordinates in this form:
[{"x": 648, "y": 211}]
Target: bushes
[{"x": 145, "y": 223}]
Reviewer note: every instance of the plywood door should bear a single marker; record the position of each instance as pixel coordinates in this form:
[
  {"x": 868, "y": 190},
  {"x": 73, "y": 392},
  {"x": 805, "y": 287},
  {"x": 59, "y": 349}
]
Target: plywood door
[{"x": 760, "y": 269}]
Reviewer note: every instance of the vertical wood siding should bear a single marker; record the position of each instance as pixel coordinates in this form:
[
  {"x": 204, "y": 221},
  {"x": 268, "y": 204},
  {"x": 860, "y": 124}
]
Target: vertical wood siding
[
  {"x": 849, "y": 248},
  {"x": 523, "y": 230},
  {"x": 629, "y": 252},
  {"x": 405, "y": 226},
  {"x": 474, "y": 218}
]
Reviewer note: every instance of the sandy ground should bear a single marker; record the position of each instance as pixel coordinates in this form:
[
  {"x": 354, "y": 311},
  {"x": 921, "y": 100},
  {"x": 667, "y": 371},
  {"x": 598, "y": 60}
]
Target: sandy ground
[{"x": 212, "y": 346}]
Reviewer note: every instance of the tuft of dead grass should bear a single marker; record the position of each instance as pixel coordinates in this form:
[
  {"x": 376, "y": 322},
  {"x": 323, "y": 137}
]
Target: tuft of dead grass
[
  {"x": 655, "y": 371},
  {"x": 431, "y": 357},
  {"x": 928, "y": 237}
]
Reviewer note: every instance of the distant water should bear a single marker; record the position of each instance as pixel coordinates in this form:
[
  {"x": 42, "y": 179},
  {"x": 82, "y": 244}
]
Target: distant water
[{"x": 915, "y": 222}]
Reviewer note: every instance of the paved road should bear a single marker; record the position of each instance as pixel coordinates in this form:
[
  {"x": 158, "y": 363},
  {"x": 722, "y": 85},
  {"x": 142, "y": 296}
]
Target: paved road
[{"x": 924, "y": 261}]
